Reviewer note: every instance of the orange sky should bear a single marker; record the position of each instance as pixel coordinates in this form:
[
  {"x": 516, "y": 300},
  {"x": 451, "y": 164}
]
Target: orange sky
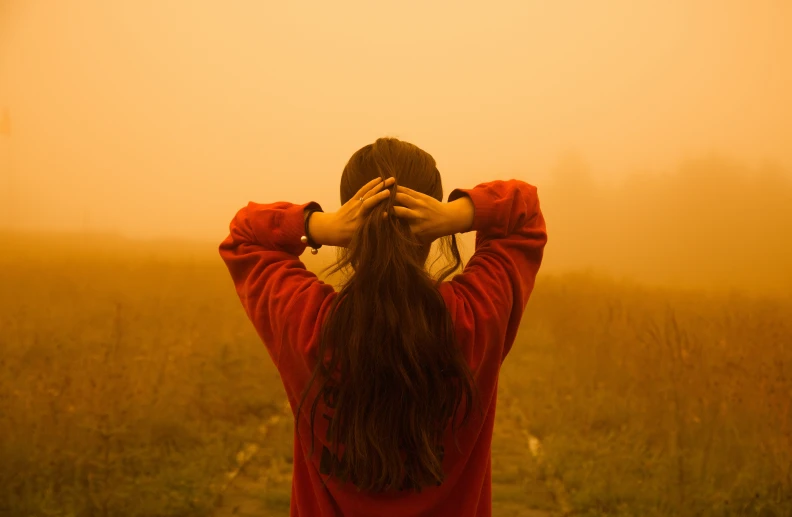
[{"x": 162, "y": 118}]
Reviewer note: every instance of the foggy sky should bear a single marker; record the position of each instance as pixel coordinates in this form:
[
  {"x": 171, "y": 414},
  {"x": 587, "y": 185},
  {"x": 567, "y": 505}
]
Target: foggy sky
[{"x": 162, "y": 118}]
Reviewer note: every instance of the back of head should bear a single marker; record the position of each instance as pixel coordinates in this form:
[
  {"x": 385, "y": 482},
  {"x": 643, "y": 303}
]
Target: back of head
[{"x": 391, "y": 367}]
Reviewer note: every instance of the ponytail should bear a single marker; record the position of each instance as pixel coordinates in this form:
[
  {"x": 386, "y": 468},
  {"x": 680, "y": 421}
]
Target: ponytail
[{"x": 388, "y": 367}]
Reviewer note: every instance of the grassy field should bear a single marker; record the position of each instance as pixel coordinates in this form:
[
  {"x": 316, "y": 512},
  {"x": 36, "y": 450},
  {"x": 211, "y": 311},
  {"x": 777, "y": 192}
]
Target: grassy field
[
  {"x": 130, "y": 378},
  {"x": 659, "y": 403},
  {"x": 127, "y": 386}
]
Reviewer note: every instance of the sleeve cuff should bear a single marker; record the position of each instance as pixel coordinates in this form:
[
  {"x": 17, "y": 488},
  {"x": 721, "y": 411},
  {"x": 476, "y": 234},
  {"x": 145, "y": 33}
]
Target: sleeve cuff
[
  {"x": 485, "y": 213},
  {"x": 292, "y": 228}
]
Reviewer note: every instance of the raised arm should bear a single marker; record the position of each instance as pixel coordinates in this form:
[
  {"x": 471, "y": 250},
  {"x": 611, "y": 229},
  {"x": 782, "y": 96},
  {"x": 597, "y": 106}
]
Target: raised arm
[
  {"x": 281, "y": 298},
  {"x": 488, "y": 299},
  {"x": 284, "y": 301},
  {"x": 493, "y": 290}
]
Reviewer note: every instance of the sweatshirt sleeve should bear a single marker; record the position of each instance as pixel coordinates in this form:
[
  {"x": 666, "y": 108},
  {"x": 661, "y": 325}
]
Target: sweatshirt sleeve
[
  {"x": 491, "y": 293},
  {"x": 280, "y": 296}
]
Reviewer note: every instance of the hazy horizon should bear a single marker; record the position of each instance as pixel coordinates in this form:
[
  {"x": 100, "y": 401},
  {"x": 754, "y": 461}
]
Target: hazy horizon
[
  {"x": 658, "y": 133},
  {"x": 158, "y": 120}
]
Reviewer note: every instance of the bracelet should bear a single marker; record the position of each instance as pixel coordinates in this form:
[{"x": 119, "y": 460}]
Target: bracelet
[{"x": 306, "y": 239}]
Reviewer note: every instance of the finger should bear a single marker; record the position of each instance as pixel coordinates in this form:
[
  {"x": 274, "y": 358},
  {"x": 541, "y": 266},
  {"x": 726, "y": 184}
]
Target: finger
[
  {"x": 387, "y": 183},
  {"x": 374, "y": 185},
  {"x": 370, "y": 202},
  {"x": 365, "y": 188},
  {"x": 407, "y": 200},
  {"x": 413, "y": 193},
  {"x": 405, "y": 213},
  {"x": 378, "y": 187}
]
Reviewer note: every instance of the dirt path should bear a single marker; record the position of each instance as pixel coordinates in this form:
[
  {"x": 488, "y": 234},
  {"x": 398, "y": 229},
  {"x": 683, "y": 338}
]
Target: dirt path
[
  {"x": 262, "y": 484},
  {"x": 522, "y": 486}
]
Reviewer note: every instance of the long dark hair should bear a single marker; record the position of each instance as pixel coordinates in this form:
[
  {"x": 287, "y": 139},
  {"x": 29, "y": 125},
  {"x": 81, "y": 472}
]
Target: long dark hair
[{"x": 388, "y": 365}]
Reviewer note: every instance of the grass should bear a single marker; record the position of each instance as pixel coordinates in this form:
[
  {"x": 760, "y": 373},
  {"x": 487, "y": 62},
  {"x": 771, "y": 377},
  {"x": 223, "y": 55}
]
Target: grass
[
  {"x": 128, "y": 382},
  {"x": 127, "y": 385},
  {"x": 654, "y": 402}
]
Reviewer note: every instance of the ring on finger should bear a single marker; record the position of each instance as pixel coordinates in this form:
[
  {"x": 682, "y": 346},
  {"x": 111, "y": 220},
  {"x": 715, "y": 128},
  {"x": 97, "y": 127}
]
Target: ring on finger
[{"x": 361, "y": 199}]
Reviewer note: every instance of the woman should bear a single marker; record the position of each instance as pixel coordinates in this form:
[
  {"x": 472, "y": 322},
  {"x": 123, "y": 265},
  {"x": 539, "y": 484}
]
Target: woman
[{"x": 397, "y": 417}]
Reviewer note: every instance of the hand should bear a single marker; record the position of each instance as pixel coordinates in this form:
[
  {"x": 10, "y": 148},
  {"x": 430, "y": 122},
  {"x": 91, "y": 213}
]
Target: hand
[
  {"x": 429, "y": 218},
  {"x": 337, "y": 228}
]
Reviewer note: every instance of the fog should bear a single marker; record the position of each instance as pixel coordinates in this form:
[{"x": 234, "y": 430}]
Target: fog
[{"x": 160, "y": 119}]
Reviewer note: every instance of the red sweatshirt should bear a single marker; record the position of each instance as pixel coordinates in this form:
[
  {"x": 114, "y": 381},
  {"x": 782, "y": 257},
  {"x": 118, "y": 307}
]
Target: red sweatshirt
[{"x": 287, "y": 305}]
